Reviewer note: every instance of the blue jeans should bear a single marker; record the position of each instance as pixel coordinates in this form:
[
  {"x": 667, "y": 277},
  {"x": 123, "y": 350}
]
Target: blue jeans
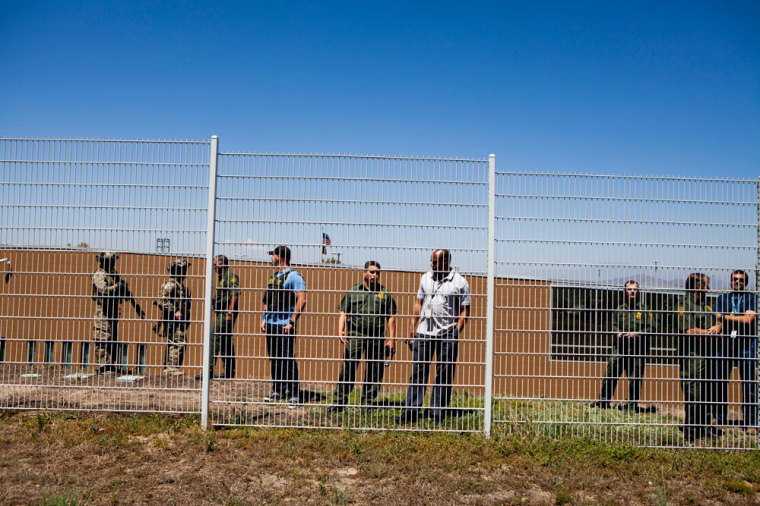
[
  {"x": 446, "y": 349},
  {"x": 739, "y": 353}
]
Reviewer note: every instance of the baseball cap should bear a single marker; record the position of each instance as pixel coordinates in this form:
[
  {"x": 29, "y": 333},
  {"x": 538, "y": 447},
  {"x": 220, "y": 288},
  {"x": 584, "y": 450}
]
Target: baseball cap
[{"x": 282, "y": 252}]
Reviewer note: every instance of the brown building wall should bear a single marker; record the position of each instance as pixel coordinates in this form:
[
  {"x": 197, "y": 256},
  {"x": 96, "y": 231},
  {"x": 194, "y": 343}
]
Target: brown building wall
[{"x": 48, "y": 300}]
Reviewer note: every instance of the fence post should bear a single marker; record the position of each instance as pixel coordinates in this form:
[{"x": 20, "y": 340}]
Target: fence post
[
  {"x": 757, "y": 287},
  {"x": 208, "y": 312},
  {"x": 490, "y": 295}
]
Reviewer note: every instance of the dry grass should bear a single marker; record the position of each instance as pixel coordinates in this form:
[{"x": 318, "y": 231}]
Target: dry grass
[{"x": 121, "y": 459}]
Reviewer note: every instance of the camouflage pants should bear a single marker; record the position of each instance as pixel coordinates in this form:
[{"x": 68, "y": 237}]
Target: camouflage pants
[
  {"x": 105, "y": 334},
  {"x": 175, "y": 351}
]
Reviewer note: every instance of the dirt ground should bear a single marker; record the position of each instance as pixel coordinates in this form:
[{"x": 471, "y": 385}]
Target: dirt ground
[{"x": 138, "y": 459}]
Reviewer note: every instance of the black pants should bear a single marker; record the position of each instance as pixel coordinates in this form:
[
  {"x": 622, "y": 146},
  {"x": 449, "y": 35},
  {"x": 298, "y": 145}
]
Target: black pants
[{"x": 283, "y": 367}]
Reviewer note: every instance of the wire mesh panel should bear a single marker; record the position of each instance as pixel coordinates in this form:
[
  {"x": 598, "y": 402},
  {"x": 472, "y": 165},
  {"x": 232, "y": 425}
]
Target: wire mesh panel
[
  {"x": 101, "y": 245},
  {"x": 625, "y": 308},
  {"x": 318, "y": 336}
]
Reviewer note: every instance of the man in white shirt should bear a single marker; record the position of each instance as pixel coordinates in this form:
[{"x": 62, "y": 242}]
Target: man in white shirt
[{"x": 439, "y": 316}]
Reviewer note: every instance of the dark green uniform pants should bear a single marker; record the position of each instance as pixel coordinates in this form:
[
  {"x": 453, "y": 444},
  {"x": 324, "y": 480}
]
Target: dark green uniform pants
[
  {"x": 629, "y": 356},
  {"x": 374, "y": 350},
  {"x": 222, "y": 344},
  {"x": 695, "y": 387}
]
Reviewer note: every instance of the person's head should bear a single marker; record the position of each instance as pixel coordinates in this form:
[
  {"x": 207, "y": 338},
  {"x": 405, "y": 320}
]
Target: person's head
[
  {"x": 371, "y": 274},
  {"x": 739, "y": 280},
  {"x": 440, "y": 261},
  {"x": 178, "y": 268},
  {"x": 631, "y": 288},
  {"x": 698, "y": 283},
  {"x": 107, "y": 259},
  {"x": 280, "y": 256},
  {"x": 221, "y": 262}
]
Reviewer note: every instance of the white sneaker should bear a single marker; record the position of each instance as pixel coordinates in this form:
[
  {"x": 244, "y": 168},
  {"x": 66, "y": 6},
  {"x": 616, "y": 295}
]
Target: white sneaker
[
  {"x": 293, "y": 402},
  {"x": 273, "y": 397}
]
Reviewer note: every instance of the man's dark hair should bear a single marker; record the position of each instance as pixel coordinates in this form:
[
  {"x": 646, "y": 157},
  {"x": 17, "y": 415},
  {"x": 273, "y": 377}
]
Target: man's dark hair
[
  {"x": 631, "y": 282},
  {"x": 222, "y": 260},
  {"x": 696, "y": 278},
  {"x": 371, "y": 263},
  {"x": 743, "y": 273}
]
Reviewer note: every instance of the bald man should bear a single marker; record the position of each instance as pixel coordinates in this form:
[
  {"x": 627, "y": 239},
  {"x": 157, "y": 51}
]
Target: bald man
[{"x": 439, "y": 316}]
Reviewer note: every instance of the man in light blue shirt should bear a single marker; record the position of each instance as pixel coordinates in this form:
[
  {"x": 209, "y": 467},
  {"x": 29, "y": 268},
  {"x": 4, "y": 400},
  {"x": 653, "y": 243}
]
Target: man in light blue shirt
[{"x": 284, "y": 302}]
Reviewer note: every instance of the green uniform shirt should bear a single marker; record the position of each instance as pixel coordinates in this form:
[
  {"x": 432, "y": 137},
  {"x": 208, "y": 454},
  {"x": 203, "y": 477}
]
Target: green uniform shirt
[
  {"x": 227, "y": 286},
  {"x": 367, "y": 311},
  {"x": 694, "y": 313},
  {"x": 636, "y": 318}
]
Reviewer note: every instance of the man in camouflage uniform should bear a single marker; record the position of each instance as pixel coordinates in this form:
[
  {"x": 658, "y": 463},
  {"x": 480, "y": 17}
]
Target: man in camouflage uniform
[
  {"x": 225, "y": 303},
  {"x": 697, "y": 345},
  {"x": 364, "y": 311},
  {"x": 108, "y": 290},
  {"x": 174, "y": 304},
  {"x": 632, "y": 323}
]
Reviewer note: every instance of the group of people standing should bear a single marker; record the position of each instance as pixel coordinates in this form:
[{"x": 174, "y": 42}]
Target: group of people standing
[
  {"x": 710, "y": 343},
  {"x": 366, "y": 326}
]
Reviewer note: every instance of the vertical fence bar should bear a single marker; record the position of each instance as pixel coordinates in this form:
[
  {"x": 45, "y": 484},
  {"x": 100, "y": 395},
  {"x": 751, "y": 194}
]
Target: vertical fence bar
[
  {"x": 209, "y": 286},
  {"x": 490, "y": 295}
]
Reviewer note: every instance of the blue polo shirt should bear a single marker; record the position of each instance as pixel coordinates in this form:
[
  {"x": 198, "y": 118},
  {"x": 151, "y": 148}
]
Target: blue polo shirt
[
  {"x": 738, "y": 304},
  {"x": 294, "y": 282}
]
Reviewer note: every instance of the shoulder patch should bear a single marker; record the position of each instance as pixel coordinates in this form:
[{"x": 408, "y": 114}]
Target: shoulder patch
[
  {"x": 380, "y": 295},
  {"x": 709, "y": 308},
  {"x": 680, "y": 310},
  {"x": 638, "y": 315}
]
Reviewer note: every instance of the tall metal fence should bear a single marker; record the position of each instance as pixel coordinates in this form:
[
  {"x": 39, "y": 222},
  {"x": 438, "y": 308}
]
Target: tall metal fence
[{"x": 544, "y": 257}]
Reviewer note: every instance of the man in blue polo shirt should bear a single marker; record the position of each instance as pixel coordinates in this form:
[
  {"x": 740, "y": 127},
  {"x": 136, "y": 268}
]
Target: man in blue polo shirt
[
  {"x": 284, "y": 302},
  {"x": 737, "y": 311}
]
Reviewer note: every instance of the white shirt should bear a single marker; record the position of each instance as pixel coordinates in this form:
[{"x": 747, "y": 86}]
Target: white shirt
[{"x": 442, "y": 301}]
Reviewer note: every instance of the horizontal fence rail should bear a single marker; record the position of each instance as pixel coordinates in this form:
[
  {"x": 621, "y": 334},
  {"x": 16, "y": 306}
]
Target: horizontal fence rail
[{"x": 192, "y": 314}]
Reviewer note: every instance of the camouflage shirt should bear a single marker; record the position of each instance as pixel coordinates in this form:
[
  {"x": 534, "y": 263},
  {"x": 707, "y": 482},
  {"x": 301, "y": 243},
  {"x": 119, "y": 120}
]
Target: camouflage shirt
[
  {"x": 175, "y": 296},
  {"x": 106, "y": 292}
]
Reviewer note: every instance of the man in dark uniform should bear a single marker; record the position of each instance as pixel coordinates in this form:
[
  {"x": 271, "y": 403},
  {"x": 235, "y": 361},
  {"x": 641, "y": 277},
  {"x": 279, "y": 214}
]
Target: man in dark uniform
[
  {"x": 364, "y": 311},
  {"x": 225, "y": 315},
  {"x": 737, "y": 311},
  {"x": 700, "y": 331},
  {"x": 633, "y": 324}
]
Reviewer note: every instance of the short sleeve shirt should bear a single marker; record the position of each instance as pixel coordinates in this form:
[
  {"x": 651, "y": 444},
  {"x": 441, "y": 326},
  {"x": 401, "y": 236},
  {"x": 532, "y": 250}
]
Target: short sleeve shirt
[
  {"x": 737, "y": 304},
  {"x": 227, "y": 286},
  {"x": 367, "y": 310},
  {"x": 442, "y": 302},
  {"x": 294, "y": 282}
]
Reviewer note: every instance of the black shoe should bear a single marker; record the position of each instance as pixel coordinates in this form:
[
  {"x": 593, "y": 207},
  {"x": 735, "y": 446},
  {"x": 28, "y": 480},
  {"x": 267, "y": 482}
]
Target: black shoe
[
  {"x": 335, "y": 409},
  {"x": 437, "y": 415},
  {"x": 691, "y": 434},
  {"x": 199, "y": 377},
  {"x": 713, "y": 432},
  {"x": 407, "y": 417},
  {"x": 219, "y": 376},
  {"x": 601, "y": 404}
]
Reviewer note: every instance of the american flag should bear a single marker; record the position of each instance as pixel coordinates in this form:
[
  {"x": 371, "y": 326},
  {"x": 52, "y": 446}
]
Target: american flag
[{"x": 325, "y": 243}]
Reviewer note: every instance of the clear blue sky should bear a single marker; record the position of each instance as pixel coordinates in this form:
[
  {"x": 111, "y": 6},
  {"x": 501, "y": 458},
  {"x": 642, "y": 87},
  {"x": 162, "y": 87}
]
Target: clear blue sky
[{"x": 665, "y": 88}]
